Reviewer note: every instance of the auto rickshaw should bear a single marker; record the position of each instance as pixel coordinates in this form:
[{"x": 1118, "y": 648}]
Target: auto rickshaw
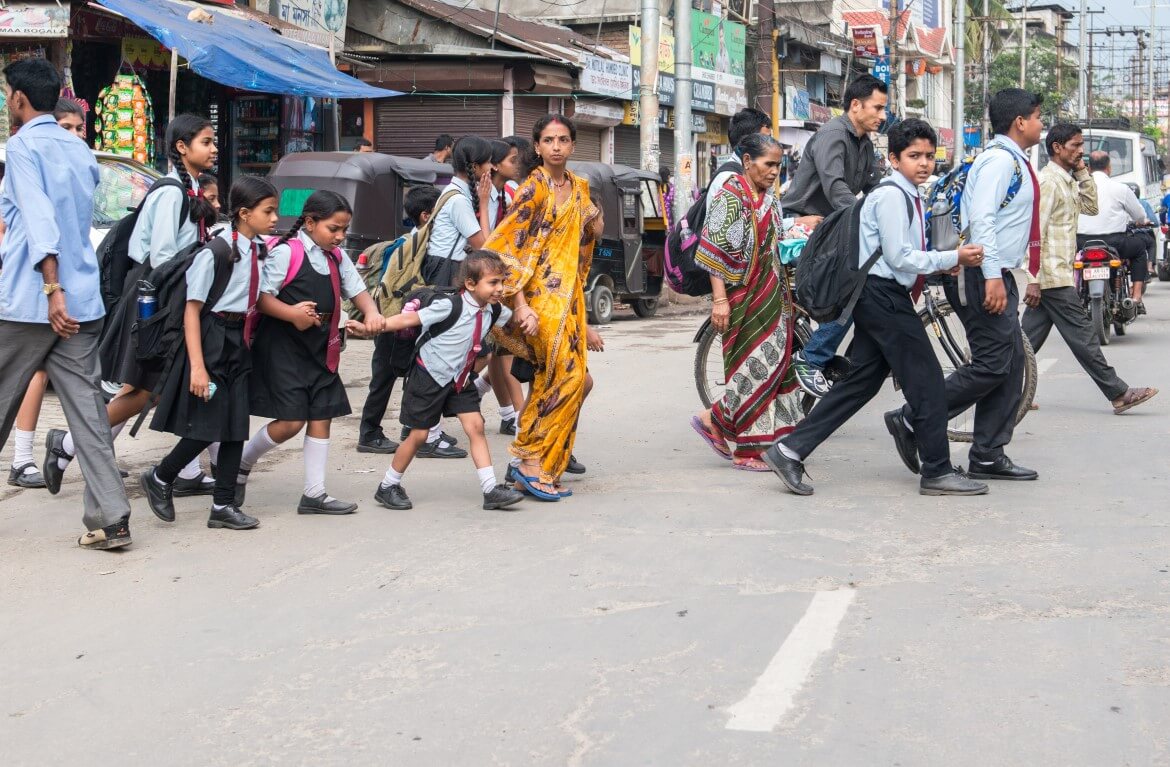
[
  {"x": 627, "y": 261},
  {"x": 375, "y": 185}
]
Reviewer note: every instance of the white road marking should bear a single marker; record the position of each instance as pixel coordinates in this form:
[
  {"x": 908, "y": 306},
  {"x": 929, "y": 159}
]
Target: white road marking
[
  {"x": 775, "y": 691},
  {"x": 1043, "y": 364}
]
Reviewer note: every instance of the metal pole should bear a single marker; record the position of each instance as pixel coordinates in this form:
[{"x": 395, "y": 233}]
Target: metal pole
[
  {"x": 647, "y": 95},
  {"x": 174, "y": 85},
  {"x": 958, "y": 120},
  {"x": 984, "y": 120},
  {"x": 892, "y": 52},
  {"x": 1083, "y": 80},
  {"x": 336, "y": 104},
  {"x": 1024, "y": 45},
  {"x": 684, "y": 148},
  {"x": 1153, "y": 29}
]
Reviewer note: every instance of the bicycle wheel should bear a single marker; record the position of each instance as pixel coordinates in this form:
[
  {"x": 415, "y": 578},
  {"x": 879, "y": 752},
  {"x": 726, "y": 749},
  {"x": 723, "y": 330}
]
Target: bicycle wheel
[
  {"x": 950, "y": 342},
  {"x": 709, "y": 376}
]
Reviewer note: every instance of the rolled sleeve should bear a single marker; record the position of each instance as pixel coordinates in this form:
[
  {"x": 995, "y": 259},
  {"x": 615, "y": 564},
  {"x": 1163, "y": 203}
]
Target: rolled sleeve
[
  {"x": 351, "y": 282},
  {"x": 27, "y": 188},
  {"x": 275, "y": 268}
]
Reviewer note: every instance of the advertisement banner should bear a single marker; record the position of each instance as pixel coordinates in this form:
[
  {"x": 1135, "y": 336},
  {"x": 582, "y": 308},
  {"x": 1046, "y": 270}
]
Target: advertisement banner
[
  {"x": 867, "y": 43},
  {"x": 43, "y": 19},
  {"x": 717, "y": 50},
  {"x": 606, "y": 77},
  {"x": 319, "y": 18},
  {"x": 798, "y": 103},
  {"x": 819, "y": 114},
  {"x": 145, "y": 53},
  {"x": 881, "y": 69},
  {"x": 665, "y": 66},
  {"x": 703, "y": 95}
]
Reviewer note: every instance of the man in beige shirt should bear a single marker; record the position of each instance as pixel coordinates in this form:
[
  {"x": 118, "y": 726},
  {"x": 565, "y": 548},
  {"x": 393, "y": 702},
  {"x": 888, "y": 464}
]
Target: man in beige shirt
[{"x": 1067, "y": 190}]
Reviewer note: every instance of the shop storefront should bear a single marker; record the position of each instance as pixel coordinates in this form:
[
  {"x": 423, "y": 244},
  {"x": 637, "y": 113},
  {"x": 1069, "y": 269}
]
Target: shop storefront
[
  {"x": 32, "y": 30},
  {"x": 595, "y": 120}
]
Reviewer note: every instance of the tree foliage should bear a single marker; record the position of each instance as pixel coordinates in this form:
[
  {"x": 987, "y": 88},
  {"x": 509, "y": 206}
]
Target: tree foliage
[{"x": 1046, "y": 70}]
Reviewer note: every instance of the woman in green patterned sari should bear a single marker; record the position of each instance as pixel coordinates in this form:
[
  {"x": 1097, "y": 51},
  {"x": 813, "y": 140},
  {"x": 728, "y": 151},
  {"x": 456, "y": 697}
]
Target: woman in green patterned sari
[{"x": 752, "y": 308}]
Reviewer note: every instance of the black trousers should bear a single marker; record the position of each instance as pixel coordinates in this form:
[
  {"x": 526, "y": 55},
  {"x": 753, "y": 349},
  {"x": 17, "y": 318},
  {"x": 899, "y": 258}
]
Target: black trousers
[
  {"x": 227, "y": 467},
  {"x": 887, "y": 335},
  {"x": 994, "y": 379},
  {"x": 382, "y": 378},
  {"x": 1062, "y": 308}
]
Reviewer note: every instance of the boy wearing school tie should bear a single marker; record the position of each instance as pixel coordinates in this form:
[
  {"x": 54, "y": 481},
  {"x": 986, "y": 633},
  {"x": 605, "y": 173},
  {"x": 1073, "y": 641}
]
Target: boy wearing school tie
[{"x": 888, "y": 335}]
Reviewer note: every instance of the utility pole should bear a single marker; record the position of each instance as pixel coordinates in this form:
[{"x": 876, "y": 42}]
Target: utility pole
[
  {"x": 1083, "y": 80},
  {"x": 892, "y": 52},
  {"x": 983, "y": 116},
  {"x": 1153, "y": 28},
  {"x": 1024, "y": 45},
  {"x": 647, "y": 93},
  {"x": 684, "y": 166},
  {"x": 959, "y": 119}
]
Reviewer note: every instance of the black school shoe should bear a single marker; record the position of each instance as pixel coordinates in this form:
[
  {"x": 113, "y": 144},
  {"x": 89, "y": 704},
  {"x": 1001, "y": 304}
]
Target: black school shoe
[
  {"x": 323, "y": 504},
  {"x": 955, "y": 483},
  {"x": 231, "y": 518},
  {"x": 790, "y": 472},
  {"x": 32, "y": 480},
  {"x": 436, "y": 450},
  {"x": 501, "y": 497},
  {"x": 508, "y": 426},
  {"x": 382, "y": 445},
  {"x": 443, "y": 436},
  {"x": 1000, "y": 468},
  {"x": 575, "y": 466},
  {"x": 393, "y": 497},
  {"x": 54, "y": 449},
  {"x": 113, "y": 536},
  {"x": 158, "y": 495},
  {"x": 904, "y": 440},
  {"x": 201, "y": 485}
]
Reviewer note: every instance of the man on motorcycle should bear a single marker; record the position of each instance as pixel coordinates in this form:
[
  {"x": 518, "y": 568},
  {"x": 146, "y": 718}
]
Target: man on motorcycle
[
  {"x": 1066, "y": 191},
  {"x": 1118, "y": 207}
]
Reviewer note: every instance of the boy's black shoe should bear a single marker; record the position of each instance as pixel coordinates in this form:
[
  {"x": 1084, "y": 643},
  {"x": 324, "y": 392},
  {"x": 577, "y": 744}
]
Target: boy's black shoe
[
  {"x": 443, "y": 436},
  {"x": 501, "y": 497},
  {"x": 201, "y": 485},
  {"x": 955, "y": 483},
  {"x": 574, "y": 467},
  {"x": 393, "y": 497},
  {"x": 232, "y": 518},
  {"x": 158, "y": 495},
  {"x": 508, "y": 426},
  {"x": 1000, "y": 468},
  {"x": 32, "y": 480},
  {"x": 383, "y": 445},
  {"x": 54, "y": 449},
  {"x": 436, "y": 450},
  {"x": 323, "y": 504},
  {"x": 113, "y": 536},
  {"x": 904, "y": 440},
  {"x": 789, "y": 471}
]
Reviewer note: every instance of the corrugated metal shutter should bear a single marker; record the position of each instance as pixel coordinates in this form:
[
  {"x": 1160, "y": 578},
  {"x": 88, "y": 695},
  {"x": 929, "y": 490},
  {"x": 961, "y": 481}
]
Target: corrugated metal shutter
[
  {"x": 588, "y": 144},
  {"x": 526, "y": 110},
  {"x": 627, "y": 146},
  {"x": 407, "y": 125}
]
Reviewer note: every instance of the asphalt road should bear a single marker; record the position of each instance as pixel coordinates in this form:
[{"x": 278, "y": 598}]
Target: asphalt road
[{"x": 674, "y": 612}]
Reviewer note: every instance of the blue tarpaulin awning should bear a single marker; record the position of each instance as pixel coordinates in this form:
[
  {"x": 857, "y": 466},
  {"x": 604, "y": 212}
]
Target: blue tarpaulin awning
[{"x": 242, "y": 53}]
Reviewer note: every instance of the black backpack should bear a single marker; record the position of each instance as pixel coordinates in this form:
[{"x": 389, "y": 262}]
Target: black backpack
[
  {"x": 828, "y": 279},
  {"x": 113, "y": 252},
  {"x": 682, "y": 242},
  {"x": 426, "y": 297}
]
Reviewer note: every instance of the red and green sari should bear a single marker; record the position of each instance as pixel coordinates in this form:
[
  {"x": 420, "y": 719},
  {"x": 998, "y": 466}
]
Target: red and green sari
[{"x": 761, "y": 402}]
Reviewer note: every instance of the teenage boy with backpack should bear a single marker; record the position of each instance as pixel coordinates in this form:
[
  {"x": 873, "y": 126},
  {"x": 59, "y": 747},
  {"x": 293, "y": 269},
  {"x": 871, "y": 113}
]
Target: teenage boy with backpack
[
  {"x": 838, "y": 164},
  {"x": 887, "y": 331},
  {"x": 986, "y": 299}
]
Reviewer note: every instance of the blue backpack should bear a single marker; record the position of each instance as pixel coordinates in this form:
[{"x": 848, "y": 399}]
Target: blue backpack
[{"x": 944, "y": 202}]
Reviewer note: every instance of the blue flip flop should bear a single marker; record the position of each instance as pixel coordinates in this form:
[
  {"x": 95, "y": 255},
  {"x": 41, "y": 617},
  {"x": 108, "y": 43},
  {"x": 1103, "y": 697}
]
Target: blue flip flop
[{"x": 529, "y": 485}]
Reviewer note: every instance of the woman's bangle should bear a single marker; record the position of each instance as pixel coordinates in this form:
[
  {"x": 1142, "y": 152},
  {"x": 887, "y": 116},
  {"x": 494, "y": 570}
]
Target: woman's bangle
[{"x": 719, "y": 301}]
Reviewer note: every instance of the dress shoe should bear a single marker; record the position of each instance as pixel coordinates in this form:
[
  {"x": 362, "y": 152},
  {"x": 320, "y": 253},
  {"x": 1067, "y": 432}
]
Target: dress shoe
[
  {"x": 157, "y": 495},
  {"x": 1000, "y": 468},
  {"x": 501, "y": 497},
  {"x": 231, "y": 518},
  {"x": 443, "y": 436},
  {"x": 955, "y": 483},
  {"x": 508, "y": 426},
  {"x": 575, "y": 466},
  {"x": 437, "y": 450},
  {"x": 383, "y": 445},
  {"x": 201, "y": 485},
  {"x": 17, "y": 477},
  {"x": 323, "y": 504},
  {"x": 393, "y": 497},
  {"x": 113, "y": 536},
  {"x": 54, "y": 449},
  {"x": 789, "y": 471},
  {"x": 903, "y": 440}
]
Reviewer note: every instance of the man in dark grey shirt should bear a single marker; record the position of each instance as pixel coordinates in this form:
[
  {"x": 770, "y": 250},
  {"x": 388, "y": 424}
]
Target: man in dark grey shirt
[{"x": 838, "y": 165}]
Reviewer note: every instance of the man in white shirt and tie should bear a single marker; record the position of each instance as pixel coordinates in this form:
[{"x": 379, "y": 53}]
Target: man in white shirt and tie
[{"x": 1117, "y": 208}]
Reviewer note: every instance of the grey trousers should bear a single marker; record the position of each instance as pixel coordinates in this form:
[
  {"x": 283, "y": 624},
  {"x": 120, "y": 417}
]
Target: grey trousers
[
  {"x": 1062, "y": 307},
  {"x": 72, "y": 365}
]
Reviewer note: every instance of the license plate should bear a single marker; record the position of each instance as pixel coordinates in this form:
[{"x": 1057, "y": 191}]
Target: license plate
[{"x": 1096, "y": 273}]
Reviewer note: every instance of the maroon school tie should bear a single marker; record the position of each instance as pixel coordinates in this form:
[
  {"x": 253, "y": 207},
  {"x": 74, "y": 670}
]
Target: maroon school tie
[
  {"x": 1034, "y": 231},
  {"x": 476, "y": 342},
  {"x": 500, "y": 208},
  {"x": 333, "y": 350},
  {"x": 253, "y": 315},
  {"x": 920, "y": 283}
]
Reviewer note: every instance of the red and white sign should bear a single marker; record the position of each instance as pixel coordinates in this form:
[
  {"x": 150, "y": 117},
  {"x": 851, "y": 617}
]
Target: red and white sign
[{"x": 867, "y": 42}]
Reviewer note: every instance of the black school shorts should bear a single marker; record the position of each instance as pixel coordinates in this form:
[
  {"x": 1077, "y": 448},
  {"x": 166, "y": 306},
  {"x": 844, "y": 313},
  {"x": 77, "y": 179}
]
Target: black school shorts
[{"x": 425, "y": 403}]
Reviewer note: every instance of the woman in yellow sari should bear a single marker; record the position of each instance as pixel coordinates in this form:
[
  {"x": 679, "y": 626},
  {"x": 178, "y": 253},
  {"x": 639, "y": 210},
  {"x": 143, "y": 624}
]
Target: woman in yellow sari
[{"x": 546, "y": 240}]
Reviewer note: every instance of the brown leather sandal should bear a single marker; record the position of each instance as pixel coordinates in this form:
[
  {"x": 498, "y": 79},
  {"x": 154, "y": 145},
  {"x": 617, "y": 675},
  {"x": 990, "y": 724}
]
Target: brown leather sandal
[{"x": 1132, "y": 398}]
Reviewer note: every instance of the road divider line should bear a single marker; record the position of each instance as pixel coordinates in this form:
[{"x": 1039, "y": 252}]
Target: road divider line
[
  {"x": 775, "y": 691},
  {"x": 1043, "y": 364}
]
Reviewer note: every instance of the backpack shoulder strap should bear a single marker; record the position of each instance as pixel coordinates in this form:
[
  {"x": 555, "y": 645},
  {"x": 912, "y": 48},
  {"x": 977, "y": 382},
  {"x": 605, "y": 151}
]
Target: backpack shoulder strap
[
  {"x": 221, "y": 252},
  {"x": 167, "y": 181},
  {"x": 443, "y": 325},
  {"x": 497, "y": 310},
  {"x": 296, "y": 257},
  {"x": 855, "y": 296}
]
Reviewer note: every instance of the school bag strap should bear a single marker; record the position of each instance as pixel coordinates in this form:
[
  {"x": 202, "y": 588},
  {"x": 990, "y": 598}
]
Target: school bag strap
[
  {"x": 296, "y": 257},
  {"x": 855, "y": 296},
  {"x": 221, "y": 252}
]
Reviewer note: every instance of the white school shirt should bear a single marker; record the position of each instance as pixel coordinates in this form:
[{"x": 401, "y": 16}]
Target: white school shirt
[
  {"x": 158, "y": 232},
  {"x": 275, "y": 268},
  {"x": 454, "y": 224},
  {"x": 1002, "y": 231},
  {"x": 445, "y": 355},
  {"x": 201, "y": 273},
  {"x": 884, "y": 222}
]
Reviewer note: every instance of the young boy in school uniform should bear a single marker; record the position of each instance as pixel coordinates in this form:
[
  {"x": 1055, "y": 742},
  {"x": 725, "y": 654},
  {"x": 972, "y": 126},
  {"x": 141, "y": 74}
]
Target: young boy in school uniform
[{"x": 888, "y": 335}]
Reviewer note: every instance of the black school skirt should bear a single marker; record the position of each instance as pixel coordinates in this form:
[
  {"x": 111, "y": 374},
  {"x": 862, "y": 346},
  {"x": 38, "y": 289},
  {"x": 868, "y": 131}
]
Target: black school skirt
[
  {"x": 290, "y": 385},
  {"x": 223, "y": 418}
]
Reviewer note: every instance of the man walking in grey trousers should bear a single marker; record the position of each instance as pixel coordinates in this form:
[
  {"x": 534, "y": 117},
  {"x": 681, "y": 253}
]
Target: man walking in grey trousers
[
  {"x": 1067, "y": 190},
  {"x": 50, "y": 293}
]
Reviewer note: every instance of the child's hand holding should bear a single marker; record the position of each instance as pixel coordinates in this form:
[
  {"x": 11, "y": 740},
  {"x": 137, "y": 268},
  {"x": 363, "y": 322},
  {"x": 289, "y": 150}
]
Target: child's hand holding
[
  {"x": 375, "y": 324},
  {"x": 305, "y": 315},
  {"x": 356, "y": 329}
]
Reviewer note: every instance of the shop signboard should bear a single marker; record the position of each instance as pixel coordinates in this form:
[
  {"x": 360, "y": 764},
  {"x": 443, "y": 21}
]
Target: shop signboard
[
  {"x": 665, "y": 65},
  {"x": 321, "y": 19},
  {"x": 881, "y": 69},
  {"x": 606, "y": 77},
  {"x": 819, "y": 114},
  {"x": 703, "y": 95},
  {"x": 597, "y": 112},
  {"x": 665, "y": 118},
  {"x": 665, "y": 86},
  {"x": 798, "y": 103},
  {"x": 35, "y": 19},
  {"x": 930, "y": 14},
  {"x": 867, "y": 43},
  {"x": 717, "y": 51}
]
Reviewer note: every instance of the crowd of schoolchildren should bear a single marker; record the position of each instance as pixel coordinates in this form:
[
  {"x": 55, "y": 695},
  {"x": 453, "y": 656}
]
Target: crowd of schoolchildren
[{"x": 214, "y": 318}]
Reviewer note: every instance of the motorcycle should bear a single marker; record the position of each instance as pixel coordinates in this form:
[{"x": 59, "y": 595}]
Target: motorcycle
[
  {"x": 1163, "y": 264},
  {"x": 1103, "y": 282}
]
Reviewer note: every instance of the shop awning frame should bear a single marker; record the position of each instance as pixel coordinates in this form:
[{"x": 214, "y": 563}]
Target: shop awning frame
[{"x": 242, "y": 53}]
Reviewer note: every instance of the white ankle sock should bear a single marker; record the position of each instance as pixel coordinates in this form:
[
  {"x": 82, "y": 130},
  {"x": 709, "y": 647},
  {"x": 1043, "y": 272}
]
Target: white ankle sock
[
  {"x": 191, "y": 470},
  {"x": 316, "y": 453},
  {"x": 213, "y": 452},
  {"x": 67, "y": 446},
  {"x": 482, "y": 386},
  {"x": 487, "y": 478},
  {"x": 392, "y": 478},
  {"x": 257, "y": 446},
  {"x": 434, "y": 434},
  {"x": 788, "y": 452},
  {"x": 515, "y": 462},
  {"x": 507, "y": 412},
  {"x": 22, "y": 454}
]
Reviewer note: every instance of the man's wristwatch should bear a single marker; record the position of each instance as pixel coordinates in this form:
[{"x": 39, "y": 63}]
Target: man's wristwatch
[{"x": 52, "y": 287}]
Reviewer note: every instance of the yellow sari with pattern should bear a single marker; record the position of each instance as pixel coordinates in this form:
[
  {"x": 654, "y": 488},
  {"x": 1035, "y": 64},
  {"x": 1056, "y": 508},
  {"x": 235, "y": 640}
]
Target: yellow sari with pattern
[{"x": 548, "y": 250}]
